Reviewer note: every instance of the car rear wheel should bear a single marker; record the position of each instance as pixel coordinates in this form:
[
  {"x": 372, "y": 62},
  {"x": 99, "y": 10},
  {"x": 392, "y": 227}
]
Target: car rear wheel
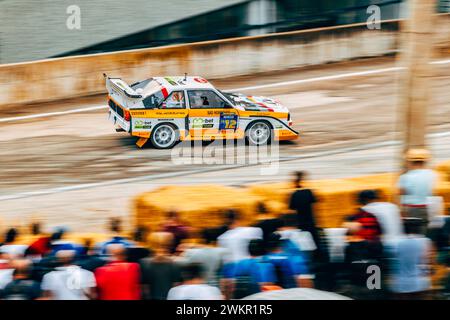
[
  {"x": 259, "y": 133},
  {"x": 164, "y": 136}
]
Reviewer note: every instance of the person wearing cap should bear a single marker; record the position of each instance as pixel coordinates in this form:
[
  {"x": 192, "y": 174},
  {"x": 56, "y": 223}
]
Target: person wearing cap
[{"x": 416, "y": 185}]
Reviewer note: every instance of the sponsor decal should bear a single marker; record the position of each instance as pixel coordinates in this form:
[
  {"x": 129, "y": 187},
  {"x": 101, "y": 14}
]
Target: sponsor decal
[
  {"x": 171, "y": 81},
  {"x": 202, "y": 123},
  {"x": 200, "y": 80},
  {"x": 168, "y": 112},
  {"x": 213, "y": 112},
  {"x": 228, "y": 121},
  {"x": 197, "y": 123},
  {"x": 142, "y": 124}
]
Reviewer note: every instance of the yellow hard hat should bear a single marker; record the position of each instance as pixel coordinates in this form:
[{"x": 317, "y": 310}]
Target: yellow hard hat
[{"x": 418, "y": 155}]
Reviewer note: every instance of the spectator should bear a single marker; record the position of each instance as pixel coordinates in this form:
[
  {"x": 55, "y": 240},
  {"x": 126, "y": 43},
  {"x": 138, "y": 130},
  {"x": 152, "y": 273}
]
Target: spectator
[
  {"x": 58, "y": 242},
  {"x": 35, "y": 229},
  {"x": 415, "y": 185},
  {"x": 118, "y": 279},
  {"x": 302, "y": 201},
  {"x": 267, "y": 223},
  {"x": 140, "y": 235},
  {"x": 369, "y": 229},
  {"x": 252, "y": 275},
  {"x": 193, "y": 287},
  {"x": 10, "y": 236},
  {"x": 160, "y": 272},
  {"x": 411, "y": 260},
  {"x": 138, "y": 249},
  {"x": 176, "y": 228},
  {"x": 230, "y": 217},
  {"x": 6, "y": 270},
  {"x": 210, "y": 256},
  {"x": 68, "y": 281},
  {"x": 360, "y": 253},
  {"x": 10, "y": 246},
  {"x": 303, "y": 240},
  {"x": 115, "y": 227},
  {"x": 22, "y": 287},
  {"x": 291, "y": 271},
  {"x": 236, "y": 239},
  {"x": 387, "y": 214},
  {"x": 364, "y": 246},
  {"x": 88, "y": 259},
  {"x": 40, "y": 246}
]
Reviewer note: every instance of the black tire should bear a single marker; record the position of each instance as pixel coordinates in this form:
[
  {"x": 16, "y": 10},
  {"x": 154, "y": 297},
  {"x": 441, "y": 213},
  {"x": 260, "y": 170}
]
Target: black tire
[
  {"x": 164, "y": 136},
  {"x": 258, "y": 133}
]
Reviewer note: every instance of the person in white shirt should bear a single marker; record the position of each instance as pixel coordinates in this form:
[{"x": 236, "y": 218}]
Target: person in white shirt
[
  {"x": 388, "y": 216},
  {"x": 193, "y": 287},
  {"x": 6, "y": 273},
  {"x": 416, "y": 185},
  {"x": 302, "y": 239},
  {"x": 236, "y": 240},
  {"x": 17, "y": 250},
  {"x": 69, "y": 281}
]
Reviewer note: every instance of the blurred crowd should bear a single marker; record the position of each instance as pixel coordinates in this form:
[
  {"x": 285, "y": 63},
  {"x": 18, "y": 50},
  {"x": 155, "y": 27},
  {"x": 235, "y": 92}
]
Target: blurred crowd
[{"x": 382, "y": 251}]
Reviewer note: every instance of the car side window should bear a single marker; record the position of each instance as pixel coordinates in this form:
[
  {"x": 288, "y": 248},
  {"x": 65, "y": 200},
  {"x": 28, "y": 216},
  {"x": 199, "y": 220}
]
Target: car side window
[
  {"x": 174, "y": 101},
  {"x": 153, "y": 101},
  {"x": 206, "y": 99}
]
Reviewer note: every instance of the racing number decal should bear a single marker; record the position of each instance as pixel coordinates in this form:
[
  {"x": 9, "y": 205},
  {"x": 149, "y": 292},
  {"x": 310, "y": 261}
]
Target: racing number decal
[{"x": 228, "y": 121}]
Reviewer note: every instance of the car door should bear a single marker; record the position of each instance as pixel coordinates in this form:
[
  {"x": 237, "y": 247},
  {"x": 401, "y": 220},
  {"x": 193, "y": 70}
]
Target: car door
[{"x": 210, "y": 115}]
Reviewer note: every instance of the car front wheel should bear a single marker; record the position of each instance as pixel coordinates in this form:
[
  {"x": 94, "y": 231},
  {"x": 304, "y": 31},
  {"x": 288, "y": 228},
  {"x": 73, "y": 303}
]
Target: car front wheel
[{"x": 259, "y": 133}]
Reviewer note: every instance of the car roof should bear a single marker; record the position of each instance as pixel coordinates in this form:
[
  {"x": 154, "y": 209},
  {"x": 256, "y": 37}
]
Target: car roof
[{"x": 182, "y": 82}]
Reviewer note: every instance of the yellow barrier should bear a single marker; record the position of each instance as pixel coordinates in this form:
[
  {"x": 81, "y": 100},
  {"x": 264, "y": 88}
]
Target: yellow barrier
[
  {"x": 199, "y": 206},
  {"x": 444, "y": 169},
  {"x": 202, "y": 205},
  {"x": 336, "y": 197}
]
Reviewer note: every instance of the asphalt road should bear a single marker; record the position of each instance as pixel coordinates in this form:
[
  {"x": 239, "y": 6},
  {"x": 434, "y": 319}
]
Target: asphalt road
[{"x": 74, "y": 169}]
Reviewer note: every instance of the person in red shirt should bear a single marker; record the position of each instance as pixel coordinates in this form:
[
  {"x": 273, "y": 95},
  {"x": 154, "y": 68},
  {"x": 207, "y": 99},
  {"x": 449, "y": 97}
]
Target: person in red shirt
[
  {"x": 369, "y": 227},
  {"x": 364, "y": 231},
  {"x": 118, "y": 279}
]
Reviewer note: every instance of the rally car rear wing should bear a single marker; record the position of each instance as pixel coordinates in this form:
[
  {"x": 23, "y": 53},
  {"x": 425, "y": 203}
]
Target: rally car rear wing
[{"x": 121, "y": 86}]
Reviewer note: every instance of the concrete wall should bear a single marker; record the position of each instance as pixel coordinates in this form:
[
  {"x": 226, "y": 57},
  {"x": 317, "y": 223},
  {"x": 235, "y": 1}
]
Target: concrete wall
[
  {"x": 80, "y": 76},
  {"x": 31, "y": 30}
]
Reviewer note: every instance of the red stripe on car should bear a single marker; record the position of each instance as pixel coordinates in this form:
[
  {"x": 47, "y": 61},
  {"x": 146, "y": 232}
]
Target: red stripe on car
[{"x": 164, "y": 92}]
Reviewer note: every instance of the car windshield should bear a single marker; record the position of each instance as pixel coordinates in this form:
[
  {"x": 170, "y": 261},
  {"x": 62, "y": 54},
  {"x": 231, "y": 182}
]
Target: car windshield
[
  {"x": 242, "y": 101},
  {"x": 229, "y": 96}
]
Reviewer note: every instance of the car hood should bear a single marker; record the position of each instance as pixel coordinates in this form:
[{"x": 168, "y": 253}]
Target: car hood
[{"x": 257, "y": 103}]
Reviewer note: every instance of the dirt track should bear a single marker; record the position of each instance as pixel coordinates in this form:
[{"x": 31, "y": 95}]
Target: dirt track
[{"x": 83, "y": 148}]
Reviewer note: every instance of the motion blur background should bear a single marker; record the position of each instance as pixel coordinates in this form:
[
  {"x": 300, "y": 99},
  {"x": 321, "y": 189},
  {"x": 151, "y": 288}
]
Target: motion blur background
[
  {"x": 359, "y": 94},
  {"x": 29, "y": 31},
  {"x": 55, "y": 140}
]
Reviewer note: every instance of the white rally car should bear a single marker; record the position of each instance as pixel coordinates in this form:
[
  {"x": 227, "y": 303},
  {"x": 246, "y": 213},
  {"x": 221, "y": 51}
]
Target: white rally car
[{"x": 171, "y": 109}]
